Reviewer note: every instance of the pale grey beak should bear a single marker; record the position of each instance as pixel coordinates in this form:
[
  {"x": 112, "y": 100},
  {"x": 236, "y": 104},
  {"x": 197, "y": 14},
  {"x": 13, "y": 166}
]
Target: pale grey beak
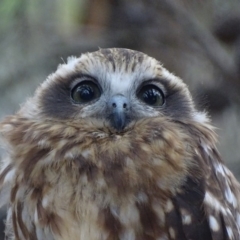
[{"x": 119, "y": 109}]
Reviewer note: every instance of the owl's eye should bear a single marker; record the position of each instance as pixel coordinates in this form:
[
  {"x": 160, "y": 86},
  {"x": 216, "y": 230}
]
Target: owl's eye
[
  {"x": 151, "y": 95},
  {"x": 85, "y": 92}
]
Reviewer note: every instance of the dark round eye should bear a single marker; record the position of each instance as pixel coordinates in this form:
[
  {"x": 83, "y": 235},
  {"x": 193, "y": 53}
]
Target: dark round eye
[
  {"x": 85, "y": 92},
  {"x": 151, "y": 95}
]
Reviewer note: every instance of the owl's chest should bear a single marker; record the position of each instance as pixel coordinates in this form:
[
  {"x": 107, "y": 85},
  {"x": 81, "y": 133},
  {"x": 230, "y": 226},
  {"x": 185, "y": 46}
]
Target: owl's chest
[
  {"x": 115, "y": 196},
  {"x": 91, "y": 211},
  {"x": 65, "y": 209}
]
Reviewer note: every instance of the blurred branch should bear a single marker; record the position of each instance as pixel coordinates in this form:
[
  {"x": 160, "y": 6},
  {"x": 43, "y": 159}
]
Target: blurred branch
[
  {"x": 219, "y": 57},
  {"x": 212, "y": 47}
]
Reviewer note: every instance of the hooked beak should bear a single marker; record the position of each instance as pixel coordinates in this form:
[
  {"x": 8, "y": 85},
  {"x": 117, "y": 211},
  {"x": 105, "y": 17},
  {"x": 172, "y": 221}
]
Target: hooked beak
[{"x": 119, "y": 109}]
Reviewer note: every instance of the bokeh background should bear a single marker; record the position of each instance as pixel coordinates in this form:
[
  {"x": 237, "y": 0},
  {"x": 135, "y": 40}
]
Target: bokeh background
[{"x": 197, "y": 40}]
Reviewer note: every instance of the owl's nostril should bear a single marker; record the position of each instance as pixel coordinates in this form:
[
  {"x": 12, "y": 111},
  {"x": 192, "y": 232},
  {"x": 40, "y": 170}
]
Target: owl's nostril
[
  {"x": 114, "y": 105},
  {"x": 119, "y": 102}
]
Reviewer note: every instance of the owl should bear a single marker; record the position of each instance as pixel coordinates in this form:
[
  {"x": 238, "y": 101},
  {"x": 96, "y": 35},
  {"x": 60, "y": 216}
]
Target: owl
[{"x": 111, "y": 147}]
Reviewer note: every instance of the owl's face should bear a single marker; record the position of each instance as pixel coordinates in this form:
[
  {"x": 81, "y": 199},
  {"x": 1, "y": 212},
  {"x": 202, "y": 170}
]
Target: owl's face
[{"x": 115, "y": 87}]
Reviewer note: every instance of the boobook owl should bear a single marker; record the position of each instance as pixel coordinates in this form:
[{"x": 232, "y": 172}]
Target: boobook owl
[{"x": 111, "y": 147}]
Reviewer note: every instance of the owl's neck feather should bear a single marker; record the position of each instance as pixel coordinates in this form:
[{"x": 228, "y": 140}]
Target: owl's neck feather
[{"x": 90, "y": 168}]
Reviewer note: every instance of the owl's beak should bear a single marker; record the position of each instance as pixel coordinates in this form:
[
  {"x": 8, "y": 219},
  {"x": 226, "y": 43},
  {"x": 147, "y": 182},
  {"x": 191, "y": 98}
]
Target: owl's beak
[{"x": 119, "y": 109}]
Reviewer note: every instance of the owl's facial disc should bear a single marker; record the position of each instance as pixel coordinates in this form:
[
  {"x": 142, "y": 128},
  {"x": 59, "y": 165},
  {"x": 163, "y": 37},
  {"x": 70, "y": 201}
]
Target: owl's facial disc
[
  {"x": 113, "y": 88},
  {"x": 118, "y": 108}
]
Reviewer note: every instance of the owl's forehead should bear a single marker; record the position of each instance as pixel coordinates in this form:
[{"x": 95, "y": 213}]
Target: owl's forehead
[
  {"x": 119, "y": 68},
  {"x": 115, "y": 60}
]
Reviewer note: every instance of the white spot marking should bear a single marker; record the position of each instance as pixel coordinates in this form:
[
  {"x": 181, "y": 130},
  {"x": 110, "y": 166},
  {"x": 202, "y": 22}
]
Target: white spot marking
[
  {"x": 69, "y": 155},
  {"x": 213, "y": 223},
  {"x": 169, "y": 206},
  {"x": 238, "y": 219},
  {"x": 142, "y": 197},
  {"x": 115, "y": 211},
  {"x": 160, "y": 213},
  {"x": 230, "y": 196},
  {"x": 43, "y": 143},
  {"x": 157, "y": 162},
  {"x": 9, "y": 215},
  {"x": 206, "y": 148},
  {"x": 10, "y": 175},
  {"x": 36, "y": 216},
  {"x": 186, "y": 219},
  {"x": 129, "y": 215},
  {"x": 85, "y": 153},
  {"x": 101, "y": 183},
  {"x": 172, "y": 232},
  {"x": 228, "y": 211},
  {"x": 5, "y": 164},
  {"x": 196, "y": 151},
  {"x": 45, "y": 201},
  {"x": 219, "y": 168},
  {"x": 229, "y": 232},
  {"x": 213, "y": 202}
]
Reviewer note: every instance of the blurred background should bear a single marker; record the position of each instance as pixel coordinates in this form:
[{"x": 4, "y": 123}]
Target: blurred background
[{"x": 197, "y": 40}]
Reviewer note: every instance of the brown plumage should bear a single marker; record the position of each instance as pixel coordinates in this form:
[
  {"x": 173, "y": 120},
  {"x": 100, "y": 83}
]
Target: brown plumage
[{"x": 111, "y": 148}]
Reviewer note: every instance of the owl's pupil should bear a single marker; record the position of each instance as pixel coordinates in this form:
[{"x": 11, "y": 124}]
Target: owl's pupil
[
  {"x": 86, "y": 93},
  {"x": 151, "y": 95}
]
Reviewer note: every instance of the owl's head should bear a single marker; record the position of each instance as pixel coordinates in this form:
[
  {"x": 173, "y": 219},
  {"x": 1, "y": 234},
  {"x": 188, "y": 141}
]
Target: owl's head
[{"x": 116, "y": 87}]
